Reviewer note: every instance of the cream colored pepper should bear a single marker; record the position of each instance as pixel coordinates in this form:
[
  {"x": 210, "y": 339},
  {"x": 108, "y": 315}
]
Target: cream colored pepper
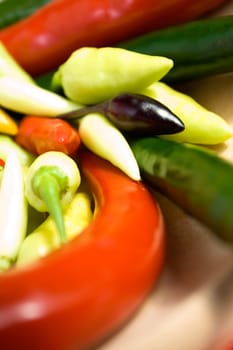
[
  {"x": 91, "y": 75},
  {"x": 201, "y": 125}
]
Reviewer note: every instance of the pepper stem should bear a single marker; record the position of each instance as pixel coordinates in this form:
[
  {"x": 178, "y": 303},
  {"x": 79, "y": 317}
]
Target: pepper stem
[{"x": 48, "y": 188}]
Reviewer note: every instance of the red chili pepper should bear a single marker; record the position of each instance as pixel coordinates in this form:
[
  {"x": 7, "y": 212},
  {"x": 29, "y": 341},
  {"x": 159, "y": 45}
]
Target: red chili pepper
[
  {"x": 41, "y": 134},
  {"x": 45, "y": 39},
  {"x": 75, "y": 297},
  {"x": 2, "y": 163}
]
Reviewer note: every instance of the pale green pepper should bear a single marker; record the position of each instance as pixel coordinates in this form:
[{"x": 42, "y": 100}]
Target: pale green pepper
[
  {"x": 91, "y": 75},
  {"x": 13, "y": 210},
  {"x": 50, "y": 184},
  {"x": 45, "y": 239},
  {"x": 10, "y": 67},
  {"x": 7, "y": 144},
  {"x": 28, "y": 98},
  {"x": 201, "y": 125},
  {"x": 100, "y": 136},
  {"x": 19, "y": 91}
]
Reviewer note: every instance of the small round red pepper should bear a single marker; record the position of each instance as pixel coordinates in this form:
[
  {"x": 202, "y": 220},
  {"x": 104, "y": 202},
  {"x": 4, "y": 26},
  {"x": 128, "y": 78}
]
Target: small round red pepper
[
  {"x": 81, "y": 293},
  {"x": 40, "y": 134}
]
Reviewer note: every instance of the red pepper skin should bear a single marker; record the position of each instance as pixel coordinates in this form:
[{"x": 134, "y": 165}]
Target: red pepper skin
[
  {"x": 45, "y": 39},
  {"x": 81, "y": 293},
  {"x": 41, "y": 134},
  {"x": 2, "y": 163}
]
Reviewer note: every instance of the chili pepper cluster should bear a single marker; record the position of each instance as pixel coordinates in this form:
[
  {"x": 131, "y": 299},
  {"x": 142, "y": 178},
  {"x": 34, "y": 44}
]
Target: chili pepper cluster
[
  {"x": 100, "y": 116},
  {"x": 78, "y": 217}
]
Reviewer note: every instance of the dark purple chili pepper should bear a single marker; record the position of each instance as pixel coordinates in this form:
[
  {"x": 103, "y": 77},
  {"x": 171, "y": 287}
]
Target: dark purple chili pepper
[{"x": 135, "y": 114}]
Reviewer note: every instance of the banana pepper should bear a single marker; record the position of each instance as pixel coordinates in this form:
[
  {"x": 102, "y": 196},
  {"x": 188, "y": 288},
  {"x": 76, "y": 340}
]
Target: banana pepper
[{"x": 7, "y": 124}]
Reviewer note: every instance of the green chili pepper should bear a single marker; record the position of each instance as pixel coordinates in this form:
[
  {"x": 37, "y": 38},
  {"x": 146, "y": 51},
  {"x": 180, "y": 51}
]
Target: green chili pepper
[
  {"x": 201, "y": 125},
  {"x": 199, "y": 48},
  {"x": 51, "y": 183},
  {"x": 194, "y": 177},
  {"x": 92, "y": 75},
  {"x": 13, "y": 11},
  {"x": 44, "y": 239}
]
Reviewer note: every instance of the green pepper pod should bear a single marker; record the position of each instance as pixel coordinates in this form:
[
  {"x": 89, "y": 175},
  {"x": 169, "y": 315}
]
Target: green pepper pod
[
  {"x": 13, "y": 11},
  {"x": 198, "y": 48},
  {"x": 91, "y": 75},
  {"x": 194, "y": 177},
  {"x": 51, "y": 183}
]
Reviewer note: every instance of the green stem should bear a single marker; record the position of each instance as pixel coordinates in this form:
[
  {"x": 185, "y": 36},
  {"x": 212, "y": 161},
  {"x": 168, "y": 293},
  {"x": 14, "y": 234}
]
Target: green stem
[{"x": 48, "y": 187}]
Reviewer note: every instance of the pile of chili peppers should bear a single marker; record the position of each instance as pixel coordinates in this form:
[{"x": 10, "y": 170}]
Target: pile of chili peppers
[
  {"x": 83, "y": 291},
  {"x": 74, "y": 286}
]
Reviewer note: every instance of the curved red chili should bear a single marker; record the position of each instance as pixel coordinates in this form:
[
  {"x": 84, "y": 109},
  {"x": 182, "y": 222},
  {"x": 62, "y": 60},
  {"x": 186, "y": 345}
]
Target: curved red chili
[
  {"x": 45, "y": 39},
  {"x": 81, "y": 293}
]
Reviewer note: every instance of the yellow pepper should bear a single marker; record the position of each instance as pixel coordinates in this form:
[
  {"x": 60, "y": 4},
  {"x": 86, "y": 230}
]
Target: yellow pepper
[
  {"x": 45, "y": 238},
  {"x": 7, "y": 124}
]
